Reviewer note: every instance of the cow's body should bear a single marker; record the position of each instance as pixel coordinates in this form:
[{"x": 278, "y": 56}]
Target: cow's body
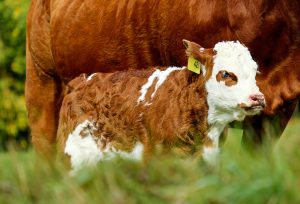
[
  {"x": 66, "y": 38},
  {"x": 132, "y": 112}
]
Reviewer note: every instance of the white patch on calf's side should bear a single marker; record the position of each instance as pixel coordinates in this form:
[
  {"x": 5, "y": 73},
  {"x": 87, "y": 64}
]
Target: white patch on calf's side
[
  {"x": 161, "y": 76},
  {"x": 146, "y": 86},
  {"x": 90, "y": 77},
  {"x": 138, "y": 152},
  {"x": 135, "y": 154},
  {"x": 83, "y": 151}
]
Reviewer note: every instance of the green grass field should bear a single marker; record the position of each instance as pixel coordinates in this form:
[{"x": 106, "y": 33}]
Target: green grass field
[{"x": 240, "y": 178}]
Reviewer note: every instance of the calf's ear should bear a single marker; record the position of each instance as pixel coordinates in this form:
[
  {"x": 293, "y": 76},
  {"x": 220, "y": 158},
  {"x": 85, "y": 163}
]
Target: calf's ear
[{"x": 205, "y": 56}]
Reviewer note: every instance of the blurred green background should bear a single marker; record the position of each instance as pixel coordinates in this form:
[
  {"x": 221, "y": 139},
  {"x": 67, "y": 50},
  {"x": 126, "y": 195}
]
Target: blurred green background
[{"x": 13, "y": 118}]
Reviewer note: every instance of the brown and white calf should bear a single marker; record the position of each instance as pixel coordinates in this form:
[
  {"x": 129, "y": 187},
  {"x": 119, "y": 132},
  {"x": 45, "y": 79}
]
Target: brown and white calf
[{"x": 131, "y": 113}]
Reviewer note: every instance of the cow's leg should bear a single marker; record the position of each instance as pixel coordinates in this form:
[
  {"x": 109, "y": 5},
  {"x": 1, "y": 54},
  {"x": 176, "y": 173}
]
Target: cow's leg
[
  {"x": 261, "y": 131},
  {"x": 43, "y": 100}
]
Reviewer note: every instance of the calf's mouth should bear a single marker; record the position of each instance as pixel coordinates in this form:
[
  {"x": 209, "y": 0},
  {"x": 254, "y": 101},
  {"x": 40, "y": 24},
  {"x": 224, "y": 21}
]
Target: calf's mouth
[{"x": 253, "y": 108}]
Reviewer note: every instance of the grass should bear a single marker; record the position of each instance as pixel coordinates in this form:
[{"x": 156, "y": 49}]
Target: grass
[{"x": 240, "y": 178}]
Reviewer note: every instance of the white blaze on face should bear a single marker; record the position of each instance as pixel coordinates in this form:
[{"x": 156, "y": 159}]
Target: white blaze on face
[
  {"x": 234, "y": 58},
  {"x": 161, "y": 76},
  {"x": 84, "y": 151}
]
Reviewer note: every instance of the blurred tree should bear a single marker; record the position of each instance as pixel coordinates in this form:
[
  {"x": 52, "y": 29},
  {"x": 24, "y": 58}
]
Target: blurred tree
[{"x": 13, "y": 117}]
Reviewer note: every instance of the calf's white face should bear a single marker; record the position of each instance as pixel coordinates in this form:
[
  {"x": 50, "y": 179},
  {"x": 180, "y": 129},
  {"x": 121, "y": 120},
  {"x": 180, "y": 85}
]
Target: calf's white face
[{"x": 232, "y": 86}]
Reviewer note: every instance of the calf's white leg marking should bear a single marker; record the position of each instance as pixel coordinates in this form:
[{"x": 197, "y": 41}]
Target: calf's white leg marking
[
  {"x": 211, "y": 153},
  {"x": 161, "y": 76}
]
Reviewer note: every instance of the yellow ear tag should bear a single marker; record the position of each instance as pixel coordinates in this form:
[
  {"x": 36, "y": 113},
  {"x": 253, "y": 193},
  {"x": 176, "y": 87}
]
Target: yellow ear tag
[{"x": 194, "y": 65}]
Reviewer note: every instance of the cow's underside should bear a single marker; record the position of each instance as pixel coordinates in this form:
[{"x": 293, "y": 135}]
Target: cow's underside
[{"x": 66, "y": 38}]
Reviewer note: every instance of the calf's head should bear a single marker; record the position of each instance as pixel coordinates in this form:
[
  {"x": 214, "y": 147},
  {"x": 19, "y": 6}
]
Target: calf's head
[{"x": 229, "y": 71}]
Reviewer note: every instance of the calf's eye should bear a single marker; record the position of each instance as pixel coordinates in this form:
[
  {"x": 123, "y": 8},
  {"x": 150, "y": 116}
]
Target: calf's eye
[
  {"x": 229, "y": 78},
  {"x": 225, "y": 74}
]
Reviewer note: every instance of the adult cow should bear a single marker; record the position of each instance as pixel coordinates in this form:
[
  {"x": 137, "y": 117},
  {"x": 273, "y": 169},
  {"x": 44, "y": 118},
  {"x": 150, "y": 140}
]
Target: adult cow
[{"x": 66, "y": 38}]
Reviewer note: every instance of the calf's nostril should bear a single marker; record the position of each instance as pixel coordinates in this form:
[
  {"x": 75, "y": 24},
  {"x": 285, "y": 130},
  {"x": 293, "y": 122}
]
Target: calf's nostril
[
  {"x": 257, "y": 97},
  {"x": 253, "y": 98}
]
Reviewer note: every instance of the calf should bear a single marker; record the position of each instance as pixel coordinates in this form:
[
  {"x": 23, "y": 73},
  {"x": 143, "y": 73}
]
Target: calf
[{"x": 131, "y": 113}]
